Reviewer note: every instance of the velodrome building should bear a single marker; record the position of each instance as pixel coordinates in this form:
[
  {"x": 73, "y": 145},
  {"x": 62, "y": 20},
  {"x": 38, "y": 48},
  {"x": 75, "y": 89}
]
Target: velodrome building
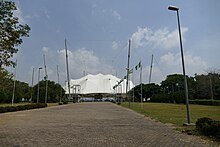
[{"x": 97, "y": 84}]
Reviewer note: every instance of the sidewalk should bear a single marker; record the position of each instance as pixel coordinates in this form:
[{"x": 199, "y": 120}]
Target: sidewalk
[{"x": 88, "y": 125}]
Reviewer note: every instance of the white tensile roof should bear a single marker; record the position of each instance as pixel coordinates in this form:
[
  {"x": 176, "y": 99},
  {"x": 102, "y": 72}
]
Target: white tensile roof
[{"x": 99, "y": 83}]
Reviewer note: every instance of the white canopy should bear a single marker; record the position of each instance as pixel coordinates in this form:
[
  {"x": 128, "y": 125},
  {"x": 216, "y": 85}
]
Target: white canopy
[{"x": 99, "y": 83}]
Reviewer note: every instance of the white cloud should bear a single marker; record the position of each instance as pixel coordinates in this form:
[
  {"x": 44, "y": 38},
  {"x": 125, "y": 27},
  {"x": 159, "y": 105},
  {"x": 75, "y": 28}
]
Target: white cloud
[
  {"x": 193, "y": 64},
  {"x": 94, "y": 5},
  {"x": 162, "y": 38},
  {"x": 156, "y": 76},
  {"x": 170, "y": 64},
  {"x": 83, "y": 60},
  {"x": 114, "y": 45},
  {"x": 45, "y": 49},
  {"x": 18, "y": 13},
  {"x": 45, "y": 13},
  {"x": 57, "y": 30},
  {"x": 116, "y": 15}
]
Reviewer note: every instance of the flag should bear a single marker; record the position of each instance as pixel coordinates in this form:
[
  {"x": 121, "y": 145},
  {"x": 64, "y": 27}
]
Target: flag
[
  {"x": 121, "y": 81},
  {"x": 130, "y": 71},
  {"x": 46, "y": 77},
  {"x": 138, "y": 66}
]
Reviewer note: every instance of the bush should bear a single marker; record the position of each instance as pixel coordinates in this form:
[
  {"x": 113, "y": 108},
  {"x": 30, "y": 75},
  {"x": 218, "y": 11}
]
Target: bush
[
  {"x": 60, "y": 103},
  {"x": 2, "y": 109},
  {"x": 175, "y": 97},
  {"x": 22, "y": 107},
  {"x": 208, "y": 127},
  {"x": 65, "y": 102},
  {"x": 206, "y": 102}
]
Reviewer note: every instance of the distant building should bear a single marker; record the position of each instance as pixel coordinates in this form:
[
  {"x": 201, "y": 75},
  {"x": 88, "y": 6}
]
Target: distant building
[{"x": 97, "y": 84}]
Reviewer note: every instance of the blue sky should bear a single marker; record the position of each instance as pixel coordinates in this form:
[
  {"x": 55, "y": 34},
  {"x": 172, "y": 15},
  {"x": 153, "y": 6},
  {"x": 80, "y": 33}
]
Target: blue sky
[{"x": 97, "y": 33}]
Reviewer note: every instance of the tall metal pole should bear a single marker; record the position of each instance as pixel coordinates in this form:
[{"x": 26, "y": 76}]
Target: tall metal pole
[
  {"x": 13, "y": 95},
  {"x": 173, "y": 8},
  {"x": 67, "y": 69},
  {"x": 38, "y": 88},
  {"x": 141, "y": 85},
  {"x": 133, "y": 88},
  {"x": 127, "y": 78},
  {"x": 46, "y": 77},
  {"x": 151, "y": 65},
  {"x": 32, "y": 83},
  {"x": 184, "y": 73},
  {"x": 210, "y": 81},
  {"x": 58, "y": 81}
]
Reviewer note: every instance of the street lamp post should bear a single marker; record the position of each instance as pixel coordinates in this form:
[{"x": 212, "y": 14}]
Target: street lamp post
[
  {"x": 38, "y": 89},
  {"x": 174, "y": 8}
]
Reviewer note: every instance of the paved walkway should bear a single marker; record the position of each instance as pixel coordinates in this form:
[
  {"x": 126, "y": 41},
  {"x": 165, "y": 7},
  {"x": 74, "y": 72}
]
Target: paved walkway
[{"x": 88, "y": 125}]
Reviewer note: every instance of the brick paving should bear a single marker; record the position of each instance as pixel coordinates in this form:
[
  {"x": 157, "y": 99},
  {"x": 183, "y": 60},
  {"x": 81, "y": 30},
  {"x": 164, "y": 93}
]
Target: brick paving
[{"x": 88, "y": 125}]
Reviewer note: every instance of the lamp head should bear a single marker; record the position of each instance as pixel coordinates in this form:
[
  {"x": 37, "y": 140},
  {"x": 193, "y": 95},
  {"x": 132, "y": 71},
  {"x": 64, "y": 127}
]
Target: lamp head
[{"x": 173, "y": 8}]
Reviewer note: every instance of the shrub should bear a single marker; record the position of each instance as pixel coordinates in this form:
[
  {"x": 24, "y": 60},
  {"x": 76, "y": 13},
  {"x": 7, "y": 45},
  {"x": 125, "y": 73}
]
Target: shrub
[
  {"x": 10, "y": 109},
  {"x": 206, "y": 102},
  {"x": 208, "y": 127},
  {"x": 21, "y": 107},
  {"x": 60, "y": 103},
  {"x": 65, "y": 102},
  {"x": 175, "y": 97},
  {"x": 2, "y": 109}
]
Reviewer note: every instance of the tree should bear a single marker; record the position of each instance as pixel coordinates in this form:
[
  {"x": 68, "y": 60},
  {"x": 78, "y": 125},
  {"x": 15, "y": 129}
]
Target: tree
[
  {"x": 206, "y": 85},
  {"x": 54, "y": 90},
  {"x": 147, "y": 91},
  {"x": 22, "y": 90},
  {"x": 11, "y": 32},
  {"x": 6, "y": 85},
  {"x": 175, "y": 82}
]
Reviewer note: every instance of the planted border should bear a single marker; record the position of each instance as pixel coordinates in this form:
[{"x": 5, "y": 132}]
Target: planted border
[
  {"x": 208, "y": 127},
  {"x": 205, "y": 102},
  {"x": 22, "y": 107}
]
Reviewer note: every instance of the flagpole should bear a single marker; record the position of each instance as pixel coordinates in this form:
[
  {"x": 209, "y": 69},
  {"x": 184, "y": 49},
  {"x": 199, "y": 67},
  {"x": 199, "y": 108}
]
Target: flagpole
[
  {"x": 151, "y": 65},
  {"x": 129, "y": 48},
  {"x": 58, "y": 80},
  {"x": 45, "y": 78},
  {"x": 32, "y": 83},
  {"x": 67, "y": 71},
  {"x": 133, "y": 87},
  {"x": 13, "y": 96},
  {"x": 141, "y": 85}
]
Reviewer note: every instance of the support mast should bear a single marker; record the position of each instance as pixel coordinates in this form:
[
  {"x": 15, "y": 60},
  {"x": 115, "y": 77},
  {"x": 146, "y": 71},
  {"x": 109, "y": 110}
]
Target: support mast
[
  {"x": 151, "y": 66},
  {"x": 46, "y": 78},
  {"x": 67, "y": 69},
  {"x": 127, "y": 78}
]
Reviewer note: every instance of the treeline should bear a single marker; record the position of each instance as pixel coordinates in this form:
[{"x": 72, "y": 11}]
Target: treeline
[
  {"x": 171, "y": 90},
  {"x": 23, "y": 91}
]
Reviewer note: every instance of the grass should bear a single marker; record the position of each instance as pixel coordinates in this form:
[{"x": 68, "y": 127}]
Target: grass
[
  {"x": 175, "y": 113},
  {"x": 15, "y": 104},
  {"x": 52, "y": 104}
]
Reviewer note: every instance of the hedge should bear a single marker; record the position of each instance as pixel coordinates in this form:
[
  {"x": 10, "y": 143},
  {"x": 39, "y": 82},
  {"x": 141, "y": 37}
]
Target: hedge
[
  {"x": 205, "y": 102},
  {"x": 22, "y": 107},
  {"x": 176, "y": 97},
  {"x": 208, "y": 127}
]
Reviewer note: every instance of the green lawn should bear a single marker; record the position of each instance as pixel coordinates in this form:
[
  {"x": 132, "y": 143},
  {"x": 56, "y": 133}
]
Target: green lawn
[
  {"x": 15, "y": 104},
  {"x": 175, "y": 113}
]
